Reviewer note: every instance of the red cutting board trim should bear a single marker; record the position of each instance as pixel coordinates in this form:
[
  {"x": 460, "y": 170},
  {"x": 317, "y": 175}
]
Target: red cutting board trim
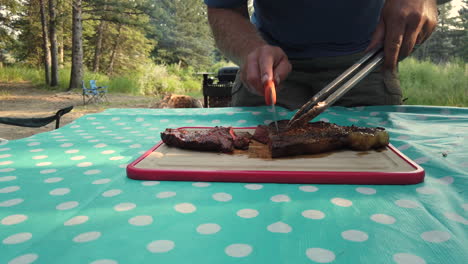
[{"x": 324, "y": 177}]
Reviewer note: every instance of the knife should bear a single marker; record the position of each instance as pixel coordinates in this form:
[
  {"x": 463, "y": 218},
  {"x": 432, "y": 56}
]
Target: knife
[{"x": 270, "y": 99}]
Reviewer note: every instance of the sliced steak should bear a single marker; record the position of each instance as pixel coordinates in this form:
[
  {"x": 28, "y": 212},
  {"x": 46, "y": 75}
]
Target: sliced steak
[
  {"x": 262, "y": 134},
  {"x": 321, "y": 137},
  {"x": 312, "y": 138},
  {"x": 242, "y": 140},
  {"x": 219, "y": 139}
]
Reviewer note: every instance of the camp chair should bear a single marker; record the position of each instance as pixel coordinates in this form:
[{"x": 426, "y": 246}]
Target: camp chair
[
  {"x": 36, "y": 122},
  {"x": 94, "y": 94}
]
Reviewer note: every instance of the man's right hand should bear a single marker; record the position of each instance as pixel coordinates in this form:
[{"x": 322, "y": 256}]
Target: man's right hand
[
  {"x": 239, "y": 40},
  {"x": 264, "y": 63}
]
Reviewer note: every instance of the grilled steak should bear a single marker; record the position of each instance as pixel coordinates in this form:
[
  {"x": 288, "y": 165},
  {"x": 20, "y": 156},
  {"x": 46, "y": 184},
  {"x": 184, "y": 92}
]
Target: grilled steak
[
  {"x": 218, "y": 139},
  {"x": 242, "y": 140},
  {"x": 311, "y": 138},
  {"x": 319, "y": 137}
]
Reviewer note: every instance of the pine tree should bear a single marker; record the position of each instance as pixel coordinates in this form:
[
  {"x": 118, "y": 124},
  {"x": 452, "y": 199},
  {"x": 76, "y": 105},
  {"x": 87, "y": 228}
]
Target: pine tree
[
  {"x": 76, "y": 75},
  {"x": 439, "y": 47},
  {"x": 53, "y": 43},
  {"x": 460, "y": 36},
  {"x": 45, "y": 42},
  {"x": 9, "y": 9},
  {"x": 182, "y": 33}
]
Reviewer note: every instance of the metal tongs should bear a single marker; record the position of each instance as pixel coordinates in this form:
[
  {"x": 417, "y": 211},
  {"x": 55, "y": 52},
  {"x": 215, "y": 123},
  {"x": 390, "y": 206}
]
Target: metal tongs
[{"x": 333, "y": 91}]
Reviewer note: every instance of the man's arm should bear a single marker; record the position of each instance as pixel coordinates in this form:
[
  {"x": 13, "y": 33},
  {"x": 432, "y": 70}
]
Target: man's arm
[
  {"x": 235, "y": 35},
  {"x": 239, "y": 40}
]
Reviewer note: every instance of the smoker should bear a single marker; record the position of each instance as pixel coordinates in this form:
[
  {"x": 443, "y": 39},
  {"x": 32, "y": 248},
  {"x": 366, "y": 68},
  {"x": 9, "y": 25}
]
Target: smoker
[{"x": 217, "y": 90}]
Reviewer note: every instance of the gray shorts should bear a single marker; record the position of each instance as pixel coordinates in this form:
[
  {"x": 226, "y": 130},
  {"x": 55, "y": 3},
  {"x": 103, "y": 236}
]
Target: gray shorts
[{"x": 309, "y": 76}]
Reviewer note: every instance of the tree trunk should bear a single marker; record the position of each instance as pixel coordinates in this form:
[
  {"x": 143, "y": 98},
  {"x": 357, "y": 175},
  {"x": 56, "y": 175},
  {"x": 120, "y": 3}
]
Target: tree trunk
[
  {"x": 60, "y": 54},
  {"x": 77, "y": 47},
  {"x": 61, "y": 46},
  {"x": 53, "y": 44},
  {"x": 97, "y": 50},
  {"x": 110, "y": 70},
  {"x": 45, "y": 43}
]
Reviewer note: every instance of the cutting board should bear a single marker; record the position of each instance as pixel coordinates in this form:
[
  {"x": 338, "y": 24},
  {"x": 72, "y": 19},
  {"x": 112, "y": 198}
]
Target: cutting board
[{"x": 385, "y": 166}]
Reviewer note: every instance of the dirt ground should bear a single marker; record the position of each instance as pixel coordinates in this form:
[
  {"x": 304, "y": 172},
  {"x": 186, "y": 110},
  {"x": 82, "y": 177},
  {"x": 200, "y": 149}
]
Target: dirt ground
[{"x": 24, "y": 100}]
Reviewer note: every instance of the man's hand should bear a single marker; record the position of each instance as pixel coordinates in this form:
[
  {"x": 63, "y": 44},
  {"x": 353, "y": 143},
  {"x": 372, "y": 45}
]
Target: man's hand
[
  {"x": 239, "y": 40},
  {"x": 264, "y": 63},
  {"x": 403, "y": 23}
]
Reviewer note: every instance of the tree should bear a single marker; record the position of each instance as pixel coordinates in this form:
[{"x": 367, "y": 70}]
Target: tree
[
  {"x": 182, "y": 33},
  {"x": 460, "y": 36},
  {"x": 110, "y": 22},
  {"x": 98, "y": 47},
  {"x": 439, "y": 47},
  {"x": 53, "y": 43},
  {"x": 115, "y": 47},
  {"x": 76, "y": 75},
  {"x": 45, "y": 42},
  {"x": 9, "y": 10}
]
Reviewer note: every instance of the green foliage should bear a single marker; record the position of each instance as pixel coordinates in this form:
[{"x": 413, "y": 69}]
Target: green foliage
[
  {"x": 130, "y": 44},
  {"x": 149, "y": 79},
  {"x": 182, "y": 33},
  {"x": 426, "y": 83},
  {"x": 220, "y": 64},
  {"x": 158, "y": 80},
  {"x": 18, "y": 74}
]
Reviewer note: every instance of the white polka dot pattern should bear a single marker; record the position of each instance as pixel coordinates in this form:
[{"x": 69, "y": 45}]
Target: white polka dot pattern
[
  {"x": 160, "y": 246},
  {"x": 208, "y": 229},
  {"x": 320, "y": 255},
  {"x": 87, "y": 237},
  {"x": 17, "y": 238},
  {"x": 238, "y": 250},
  {"x": 71, "y": 183},
  {"x": 24, "y": 259},
  {"x": 406, "y": 258},
  {"x": 383, "y": 219},
  {"x": 185, "y": 208}
]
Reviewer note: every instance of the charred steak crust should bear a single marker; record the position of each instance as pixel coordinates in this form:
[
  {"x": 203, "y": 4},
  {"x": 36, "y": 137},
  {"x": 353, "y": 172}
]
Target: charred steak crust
[
  {"x": 242, "y": 140},
  {"x": 262, "y": 134},
  {"x": 320, "y": 137},
  {"x": 218, "y": 139},
  {"x": 311, "y": 138}
]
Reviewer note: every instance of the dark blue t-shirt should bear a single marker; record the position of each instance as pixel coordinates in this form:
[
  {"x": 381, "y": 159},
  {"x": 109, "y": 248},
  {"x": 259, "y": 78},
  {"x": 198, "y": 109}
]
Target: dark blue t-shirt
[{"x": 313, "y": 28}]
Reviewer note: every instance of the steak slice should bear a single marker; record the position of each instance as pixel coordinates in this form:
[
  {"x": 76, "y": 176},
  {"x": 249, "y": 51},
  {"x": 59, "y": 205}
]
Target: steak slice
[
  {"x": 242, "y": 140},
  {"x": 319, "y": 137},
  {"x": 218, "y": 139},
  {"x": 262, "y": 134}
]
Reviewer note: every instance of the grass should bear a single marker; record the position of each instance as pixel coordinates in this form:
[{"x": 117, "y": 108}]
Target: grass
[
  {"x": 151, "y": 80},
  {"x": 425, "y": 83}
]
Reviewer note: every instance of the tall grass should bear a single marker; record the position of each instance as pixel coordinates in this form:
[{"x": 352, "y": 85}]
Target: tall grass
[
  {"x": 151, "y": 79},
  {"x": 425, "y": 83}
]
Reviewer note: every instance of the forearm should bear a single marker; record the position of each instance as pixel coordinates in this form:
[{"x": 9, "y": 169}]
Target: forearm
[{"x": 234, "y": 34}]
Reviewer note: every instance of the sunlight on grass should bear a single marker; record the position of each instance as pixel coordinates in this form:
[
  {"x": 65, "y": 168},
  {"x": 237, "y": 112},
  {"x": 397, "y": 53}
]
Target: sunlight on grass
[{"x": 423, "y": 82}]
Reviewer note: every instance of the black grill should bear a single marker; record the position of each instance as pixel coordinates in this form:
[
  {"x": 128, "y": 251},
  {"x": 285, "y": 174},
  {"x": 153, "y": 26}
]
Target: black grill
[{"x": 217, "y": 91}]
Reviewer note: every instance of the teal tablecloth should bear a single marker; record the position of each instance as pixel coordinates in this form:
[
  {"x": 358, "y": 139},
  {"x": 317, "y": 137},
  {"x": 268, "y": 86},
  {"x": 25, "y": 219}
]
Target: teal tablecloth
[{"x": 65, "y": 197}]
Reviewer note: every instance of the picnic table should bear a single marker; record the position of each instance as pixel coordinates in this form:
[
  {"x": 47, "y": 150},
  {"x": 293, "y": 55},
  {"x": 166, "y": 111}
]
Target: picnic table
[{"x": 65, "y": 197}]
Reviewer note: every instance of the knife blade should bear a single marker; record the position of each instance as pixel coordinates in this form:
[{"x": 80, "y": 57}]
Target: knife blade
[{"x": 270, "y": 99}]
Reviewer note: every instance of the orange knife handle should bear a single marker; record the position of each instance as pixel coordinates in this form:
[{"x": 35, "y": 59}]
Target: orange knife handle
[{"x": 270, "y": 93}]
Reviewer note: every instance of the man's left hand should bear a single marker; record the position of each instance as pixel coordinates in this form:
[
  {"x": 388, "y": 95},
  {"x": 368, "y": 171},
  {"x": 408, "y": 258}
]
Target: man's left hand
[{"x": 403, "y": 23}]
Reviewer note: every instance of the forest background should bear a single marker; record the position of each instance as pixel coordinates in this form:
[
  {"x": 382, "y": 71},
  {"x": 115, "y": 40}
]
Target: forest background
[{"x": 150, "y": 48}]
